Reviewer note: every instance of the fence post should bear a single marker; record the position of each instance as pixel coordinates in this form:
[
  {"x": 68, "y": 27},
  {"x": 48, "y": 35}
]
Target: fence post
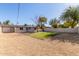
[{"x": 78, "y": 30}]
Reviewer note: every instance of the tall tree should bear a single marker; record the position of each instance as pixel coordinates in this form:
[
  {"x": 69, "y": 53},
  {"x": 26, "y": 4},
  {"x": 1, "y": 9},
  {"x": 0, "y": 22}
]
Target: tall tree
[
  {"x": 71, "y": 14},
  {"x": 25, "y": 25},
  {"x": 54, "y": 22},
  {"x": 42, "y": 21},
  {"x": 7, "y": 22}
]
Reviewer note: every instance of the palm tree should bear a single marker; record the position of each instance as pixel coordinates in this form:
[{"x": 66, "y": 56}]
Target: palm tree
[
  {"x": 72, "y": 15},
  {"x": 41, "y": 22},
  {"x": 54, "y": 22}
]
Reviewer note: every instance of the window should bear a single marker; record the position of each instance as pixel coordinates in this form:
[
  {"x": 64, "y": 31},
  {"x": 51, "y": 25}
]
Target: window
[
  {"x": 26, "y": 28},
  {"x": 21, "y": 28},
  {"x": 29, "y": 27}
]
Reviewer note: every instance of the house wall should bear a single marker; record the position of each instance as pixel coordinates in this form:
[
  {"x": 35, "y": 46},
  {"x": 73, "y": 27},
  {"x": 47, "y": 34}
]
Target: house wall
[
  {"x": 17, "y": 29},
  {"x": 7, "y": 29},
  {"x": 30, "y": 30}
]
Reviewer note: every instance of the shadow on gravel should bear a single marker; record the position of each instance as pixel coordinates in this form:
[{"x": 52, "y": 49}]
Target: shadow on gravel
[{"x": 67, "y": 37}]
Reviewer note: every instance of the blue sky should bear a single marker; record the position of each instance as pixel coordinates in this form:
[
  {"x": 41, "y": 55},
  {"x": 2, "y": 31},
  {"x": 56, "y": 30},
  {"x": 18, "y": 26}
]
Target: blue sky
[{"x": 29, "y": 11}]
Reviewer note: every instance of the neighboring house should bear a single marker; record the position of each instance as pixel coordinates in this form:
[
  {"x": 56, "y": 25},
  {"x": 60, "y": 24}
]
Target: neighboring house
[
  {"x": 16, "y": 28},
  {"x": 22, "y": 28}
]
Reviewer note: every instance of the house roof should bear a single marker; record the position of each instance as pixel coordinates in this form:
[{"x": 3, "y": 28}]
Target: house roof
[{"x": 16, "y": 26}]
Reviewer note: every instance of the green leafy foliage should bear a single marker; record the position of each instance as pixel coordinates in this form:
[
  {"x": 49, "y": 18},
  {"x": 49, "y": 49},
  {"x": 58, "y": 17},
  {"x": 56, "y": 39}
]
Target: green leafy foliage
[
  {"x": 7, "y": 22},
  {"x": 54, "y": 23},
  {"x": 71, "y": 15}
]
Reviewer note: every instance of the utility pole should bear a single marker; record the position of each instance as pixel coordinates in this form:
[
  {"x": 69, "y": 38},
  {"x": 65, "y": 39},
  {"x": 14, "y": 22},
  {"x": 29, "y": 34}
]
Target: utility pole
[{"x": 18, "y": 13}]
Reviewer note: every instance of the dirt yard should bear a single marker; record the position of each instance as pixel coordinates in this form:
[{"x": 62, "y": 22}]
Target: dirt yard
[{"x": 21, "y": 44}]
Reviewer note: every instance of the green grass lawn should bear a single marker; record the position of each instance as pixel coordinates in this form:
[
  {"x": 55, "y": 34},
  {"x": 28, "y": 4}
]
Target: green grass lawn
[{"x": 42, "y": 35}]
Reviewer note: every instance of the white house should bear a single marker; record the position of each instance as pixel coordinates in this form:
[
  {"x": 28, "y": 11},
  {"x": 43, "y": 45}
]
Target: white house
[
  {"x": 24, "y": 29},
  {"x": 16, "y": 28}
]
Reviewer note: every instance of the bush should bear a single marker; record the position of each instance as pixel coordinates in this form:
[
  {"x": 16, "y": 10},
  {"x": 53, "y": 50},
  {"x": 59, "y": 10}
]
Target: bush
[{"x": 55, "y": 26}]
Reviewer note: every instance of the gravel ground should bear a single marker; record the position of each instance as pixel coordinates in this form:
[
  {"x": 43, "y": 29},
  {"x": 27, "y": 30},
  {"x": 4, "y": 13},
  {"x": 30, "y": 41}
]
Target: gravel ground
[{"x": 20, "y": 44}]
